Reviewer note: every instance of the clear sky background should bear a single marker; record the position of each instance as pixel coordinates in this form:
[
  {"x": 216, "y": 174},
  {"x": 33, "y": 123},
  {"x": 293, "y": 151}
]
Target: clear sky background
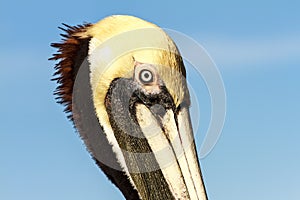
[{"x": 256, "y": 46}]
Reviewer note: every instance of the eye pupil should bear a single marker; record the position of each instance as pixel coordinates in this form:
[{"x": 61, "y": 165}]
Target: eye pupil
[{"x": 146, "y": 76}]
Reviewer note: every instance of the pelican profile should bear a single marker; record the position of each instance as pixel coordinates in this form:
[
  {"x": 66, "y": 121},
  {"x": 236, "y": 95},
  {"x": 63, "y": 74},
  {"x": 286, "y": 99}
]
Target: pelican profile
[{"x": 122, "y": 82}]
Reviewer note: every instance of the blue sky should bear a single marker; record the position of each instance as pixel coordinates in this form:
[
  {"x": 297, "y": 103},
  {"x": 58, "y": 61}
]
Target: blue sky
[{"x": 256, "y": 46}]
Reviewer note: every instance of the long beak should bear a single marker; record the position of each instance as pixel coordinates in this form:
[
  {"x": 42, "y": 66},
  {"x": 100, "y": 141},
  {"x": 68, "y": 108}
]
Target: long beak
[{"x": 171, "y": 140}]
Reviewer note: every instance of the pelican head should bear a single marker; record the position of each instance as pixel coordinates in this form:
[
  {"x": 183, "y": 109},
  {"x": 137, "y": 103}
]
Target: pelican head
[{"x": 122, "y": 81}]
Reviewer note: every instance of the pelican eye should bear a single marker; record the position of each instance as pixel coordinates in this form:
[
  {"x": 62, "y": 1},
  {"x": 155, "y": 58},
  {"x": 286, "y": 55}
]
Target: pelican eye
[{"x": 146, "y": 76}]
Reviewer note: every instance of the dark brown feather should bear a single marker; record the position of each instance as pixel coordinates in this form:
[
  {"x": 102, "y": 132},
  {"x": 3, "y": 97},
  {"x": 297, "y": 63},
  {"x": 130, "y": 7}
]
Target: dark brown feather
[{"x": 71, "y": 52}]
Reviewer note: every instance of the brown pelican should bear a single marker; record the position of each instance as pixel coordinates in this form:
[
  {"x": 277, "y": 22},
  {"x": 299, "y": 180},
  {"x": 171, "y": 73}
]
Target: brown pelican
[{"x": 122, "y": 81}]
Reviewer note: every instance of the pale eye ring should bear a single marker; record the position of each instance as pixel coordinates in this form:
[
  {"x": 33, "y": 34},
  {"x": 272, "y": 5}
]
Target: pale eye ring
[{"x": 146, "y": 76}]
